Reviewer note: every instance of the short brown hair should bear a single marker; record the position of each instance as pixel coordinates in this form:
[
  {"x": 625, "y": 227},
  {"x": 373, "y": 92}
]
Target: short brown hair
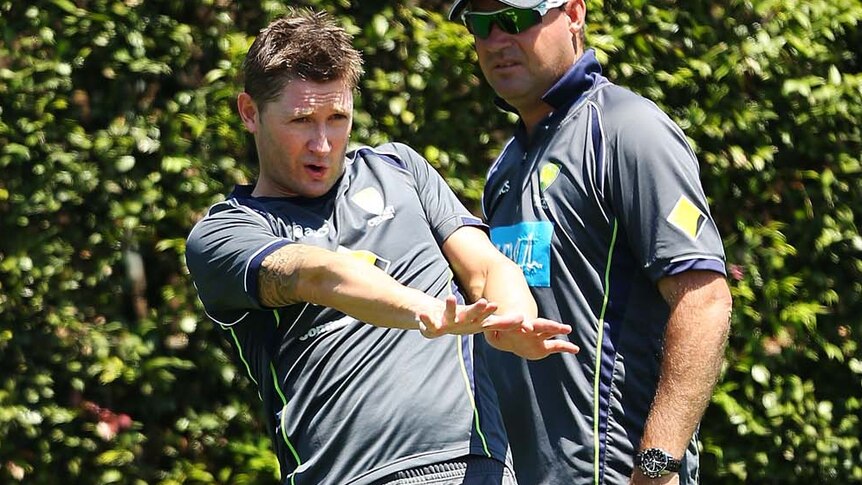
[{"x": 304, "y": 45}]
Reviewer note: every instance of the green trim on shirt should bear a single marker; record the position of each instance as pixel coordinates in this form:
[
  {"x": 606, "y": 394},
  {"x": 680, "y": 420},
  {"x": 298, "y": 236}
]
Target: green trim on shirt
[{"x": 599, "y": 340}]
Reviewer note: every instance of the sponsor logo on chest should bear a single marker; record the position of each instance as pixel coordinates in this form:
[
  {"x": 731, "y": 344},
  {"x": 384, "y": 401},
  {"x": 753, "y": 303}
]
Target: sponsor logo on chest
[
  {"x": 326, "y": 328},
  {"x": 371, "y": 201},
  {"x": 529, "y": 245},
  {"x": 297, "y": 231}
]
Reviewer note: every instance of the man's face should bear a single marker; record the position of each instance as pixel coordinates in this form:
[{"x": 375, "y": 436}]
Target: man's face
[
  {"x": 522, "y": 67},
  {"x": 301, "y": 137}
]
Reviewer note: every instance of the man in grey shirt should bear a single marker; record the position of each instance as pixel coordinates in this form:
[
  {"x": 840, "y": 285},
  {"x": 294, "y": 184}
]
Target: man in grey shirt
[
  {"x": 597, "y": 198},
  {"x": 331, "y": 278}
]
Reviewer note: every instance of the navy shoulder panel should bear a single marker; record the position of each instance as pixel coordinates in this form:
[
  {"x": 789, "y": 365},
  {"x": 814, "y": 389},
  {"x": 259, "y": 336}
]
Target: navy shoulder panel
[{"x": 388, "y": 157}]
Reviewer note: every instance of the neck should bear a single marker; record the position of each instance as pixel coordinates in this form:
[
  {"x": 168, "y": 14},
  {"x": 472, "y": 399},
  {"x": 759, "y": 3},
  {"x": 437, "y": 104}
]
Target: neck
[
  {"x": 264, "y": 187},
  {"x": 533, "y": 112},
  {"x": 531, "y": 116}
]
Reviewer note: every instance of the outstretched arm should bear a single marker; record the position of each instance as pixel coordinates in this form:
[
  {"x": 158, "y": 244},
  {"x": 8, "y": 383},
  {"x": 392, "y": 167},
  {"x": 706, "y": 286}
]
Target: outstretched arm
[
  {"x": 301, "y": 273},
  {"x": 694, "y": 345},
  {"x": 484, "y": 272}
]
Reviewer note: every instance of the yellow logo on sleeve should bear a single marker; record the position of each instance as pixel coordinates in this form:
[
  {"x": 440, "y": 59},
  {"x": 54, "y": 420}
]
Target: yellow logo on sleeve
[{"x": 686, "y": 217}]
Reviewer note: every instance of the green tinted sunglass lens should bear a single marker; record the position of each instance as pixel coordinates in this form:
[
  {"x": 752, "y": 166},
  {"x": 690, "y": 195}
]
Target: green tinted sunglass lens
[
  {"x": 520, "y": 20},
  {"x": 478, "y": 24},
  {"x": 510, "y": 20}
]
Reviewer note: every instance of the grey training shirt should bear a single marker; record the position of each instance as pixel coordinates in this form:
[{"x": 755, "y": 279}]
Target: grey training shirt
[
  {"x": 602, "y": 201},
  {"x": 348, "y": 402}
]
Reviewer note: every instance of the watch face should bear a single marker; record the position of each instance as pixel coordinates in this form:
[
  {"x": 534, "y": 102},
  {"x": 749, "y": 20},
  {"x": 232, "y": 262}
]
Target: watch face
[{"x": 653, "y": 462}]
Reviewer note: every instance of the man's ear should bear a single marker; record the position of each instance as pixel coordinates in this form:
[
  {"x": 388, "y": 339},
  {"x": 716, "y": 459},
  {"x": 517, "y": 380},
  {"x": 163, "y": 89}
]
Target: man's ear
[
  {"x": 577, "y": 12},
  {"x": 248, "y": 111}
]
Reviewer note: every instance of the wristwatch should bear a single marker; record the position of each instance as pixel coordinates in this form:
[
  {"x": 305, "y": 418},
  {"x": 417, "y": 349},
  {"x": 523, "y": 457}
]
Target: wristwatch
[{"x": 655, "y": 462}]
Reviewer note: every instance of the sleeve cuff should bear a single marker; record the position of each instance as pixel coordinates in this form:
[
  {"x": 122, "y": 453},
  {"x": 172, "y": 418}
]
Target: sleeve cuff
[
  {"x": 251, "y": 273},
  {"x": 678, "y": 267}
]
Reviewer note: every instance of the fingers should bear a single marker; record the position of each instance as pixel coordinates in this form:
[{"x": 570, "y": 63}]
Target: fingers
[
  {"x": 556, "y": 346},
  {"x": 479, "y": 317},
  {"x": 427, "y": 326},
  {"x": 542, "y": 329},
  {"x": 548, "y": 328},
  {"x": 539, "y": 349},
  {"x": 536, "y": 344},
  {"x": 544, "y": 348},
  {"x": 476, "y": 312},
  {"x": 502, "y": 322},
  {"x": 449, "y": 314},
  {"x": 465, "y": 319},
  {"x": 447, "y": 322}
]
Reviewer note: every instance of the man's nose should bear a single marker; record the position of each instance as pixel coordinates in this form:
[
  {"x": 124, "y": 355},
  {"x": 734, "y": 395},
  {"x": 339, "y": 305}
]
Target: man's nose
[
  {"x": 319, "y": 143},
  {"x": 497, "y": 38}
]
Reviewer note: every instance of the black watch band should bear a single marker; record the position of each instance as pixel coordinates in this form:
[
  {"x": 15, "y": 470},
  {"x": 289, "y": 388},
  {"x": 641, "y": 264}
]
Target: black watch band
[{"x": 655, "y": 462}]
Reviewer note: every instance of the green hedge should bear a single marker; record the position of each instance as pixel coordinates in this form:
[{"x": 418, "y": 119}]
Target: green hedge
[{"x": 118, "y": 129}]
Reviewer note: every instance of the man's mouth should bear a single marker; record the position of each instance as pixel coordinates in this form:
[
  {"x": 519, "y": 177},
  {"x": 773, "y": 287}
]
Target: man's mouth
[
  {"x": 318, "y": 170},
  {"x": 505, "y": 64}
]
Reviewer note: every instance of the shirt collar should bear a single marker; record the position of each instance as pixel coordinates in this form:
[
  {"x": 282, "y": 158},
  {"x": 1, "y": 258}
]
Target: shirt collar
[{"x": 244, "y": 192}]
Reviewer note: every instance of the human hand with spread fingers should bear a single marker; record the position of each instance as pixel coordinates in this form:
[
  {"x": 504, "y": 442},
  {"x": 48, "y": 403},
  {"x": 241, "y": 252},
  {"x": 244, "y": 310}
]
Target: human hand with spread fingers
[
  {"x": 467, "y": 319},
  {"x": 530, "y": 339},
  {"x": 534, "y": 340}
]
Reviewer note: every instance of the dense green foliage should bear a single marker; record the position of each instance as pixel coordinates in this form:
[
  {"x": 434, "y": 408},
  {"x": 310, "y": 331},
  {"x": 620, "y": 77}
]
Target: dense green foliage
[{"x": 117, "y": 130}]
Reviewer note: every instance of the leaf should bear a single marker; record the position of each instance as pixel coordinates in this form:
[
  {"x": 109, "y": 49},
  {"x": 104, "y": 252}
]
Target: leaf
[
  {"x": 125, "y": 163},
  {"x": 175, "y": 164},
  {"x": 68, "y": 7},
  {"x": 760, "y": 374}
]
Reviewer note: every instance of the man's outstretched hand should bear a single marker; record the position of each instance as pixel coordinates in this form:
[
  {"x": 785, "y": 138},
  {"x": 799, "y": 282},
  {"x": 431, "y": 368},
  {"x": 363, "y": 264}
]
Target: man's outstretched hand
[
  {"x": 457, "y": 319},
  {"x": 533, "y": 340}
]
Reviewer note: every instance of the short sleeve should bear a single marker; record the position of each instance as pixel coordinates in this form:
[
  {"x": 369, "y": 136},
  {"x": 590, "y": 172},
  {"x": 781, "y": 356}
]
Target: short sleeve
[
  {"x": 656, "y": 193},
  {"x": 224, "y": 252},
  {"x": 445, "y": 213}
]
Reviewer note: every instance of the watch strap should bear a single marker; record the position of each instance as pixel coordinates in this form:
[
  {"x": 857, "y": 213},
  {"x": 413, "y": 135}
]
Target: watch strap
[{"x": 656, "y": 462}]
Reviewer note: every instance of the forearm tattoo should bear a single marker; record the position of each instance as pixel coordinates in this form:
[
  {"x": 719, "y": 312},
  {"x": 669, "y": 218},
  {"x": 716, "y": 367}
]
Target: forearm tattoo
[{"x": 279, "y": 277}]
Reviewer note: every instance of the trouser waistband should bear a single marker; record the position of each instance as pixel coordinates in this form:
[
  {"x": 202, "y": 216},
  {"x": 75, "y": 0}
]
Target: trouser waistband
[{"x": 478, "y": 465}]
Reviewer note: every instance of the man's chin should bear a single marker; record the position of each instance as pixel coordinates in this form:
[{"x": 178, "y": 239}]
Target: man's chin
[
  {"x": 312, "y": 191},
  {"x": 508, "y": 89}
]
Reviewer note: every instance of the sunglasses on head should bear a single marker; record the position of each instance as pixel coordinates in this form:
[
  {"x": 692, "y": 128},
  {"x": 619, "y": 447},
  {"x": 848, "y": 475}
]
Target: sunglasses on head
[{"x": 511, "y": 20}]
